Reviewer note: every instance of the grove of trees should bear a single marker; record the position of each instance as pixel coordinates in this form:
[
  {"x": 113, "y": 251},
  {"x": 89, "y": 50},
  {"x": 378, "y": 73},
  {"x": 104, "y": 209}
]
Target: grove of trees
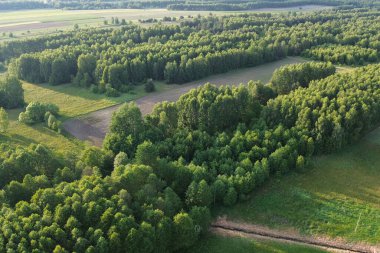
[
  {"x": 152, "y": 185},
  {"x": 112, "y": 60},
  {"x": 11, "y": 92},
  {"x": 290, "y": 77},
  {"x": 348, "y": 55}
]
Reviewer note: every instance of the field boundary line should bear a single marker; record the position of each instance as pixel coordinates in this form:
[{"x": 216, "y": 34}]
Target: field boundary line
[{"x": 222, "y": 225}]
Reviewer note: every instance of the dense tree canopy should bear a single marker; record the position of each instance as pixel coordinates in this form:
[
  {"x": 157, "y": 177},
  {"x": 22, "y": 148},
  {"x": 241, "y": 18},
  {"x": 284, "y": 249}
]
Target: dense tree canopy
[
  {"x": 111, "y": 60},
  {"x": 173, "y": 165},
  {"x": 11, "y": 92},
  {"x": 151, "y": 186},
  {"x": 290, "y": 77}
]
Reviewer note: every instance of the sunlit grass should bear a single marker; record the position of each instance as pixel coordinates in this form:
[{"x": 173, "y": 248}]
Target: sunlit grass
[
  {"x": 338, "y": 196},
  {"x": 24, "y": 135},
  {"x": 74, "y": 101},
  {"x": 221, "y": 244}
]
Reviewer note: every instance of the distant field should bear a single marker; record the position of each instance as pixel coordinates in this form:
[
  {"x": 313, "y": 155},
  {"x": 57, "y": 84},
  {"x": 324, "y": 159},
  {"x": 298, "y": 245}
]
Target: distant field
[
  {"x": 338, "y": 196},
  {"x": 221, "y": 244},
  {"x": 41, "y": 22},
  {"x": 31, "y": 23}
]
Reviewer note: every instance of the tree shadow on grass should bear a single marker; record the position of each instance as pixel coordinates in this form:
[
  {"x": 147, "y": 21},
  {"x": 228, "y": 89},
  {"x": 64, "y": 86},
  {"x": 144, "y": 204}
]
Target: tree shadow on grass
[{"x": 16, "y": 139}]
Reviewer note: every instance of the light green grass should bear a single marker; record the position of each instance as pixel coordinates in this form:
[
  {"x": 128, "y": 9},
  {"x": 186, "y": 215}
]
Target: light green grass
[
  {"x": 339, "y": 196},
  {"x": 72, "y": 101},
  {"x": 24, "y": 135},
  {"x": 219, "y": 244},
  {"x": 75, "y": 101}
]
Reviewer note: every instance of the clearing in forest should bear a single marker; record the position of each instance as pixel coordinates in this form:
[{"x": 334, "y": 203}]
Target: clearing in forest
[{"x": 93, "y": 126}]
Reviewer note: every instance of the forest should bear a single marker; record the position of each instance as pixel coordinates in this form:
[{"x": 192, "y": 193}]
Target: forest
[
  {"x": 153, "y": 184},
  {"x": 114, "y": 60}
]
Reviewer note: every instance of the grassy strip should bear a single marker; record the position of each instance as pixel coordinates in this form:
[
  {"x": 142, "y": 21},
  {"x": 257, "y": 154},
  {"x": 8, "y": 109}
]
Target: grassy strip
[{"x": 220, "y": 244}]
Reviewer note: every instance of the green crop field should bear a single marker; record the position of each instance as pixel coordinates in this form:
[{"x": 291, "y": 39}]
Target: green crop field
[
  {"x": 338, "y": 196},
  {"x": 221, "y": 244}
]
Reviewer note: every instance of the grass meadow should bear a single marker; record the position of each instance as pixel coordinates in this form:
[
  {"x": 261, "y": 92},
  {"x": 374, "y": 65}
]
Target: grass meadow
[
  {"x": 75, "y": 101},
  {"x": 338, "y": 196},
  {"x": 220, "y": 244}
]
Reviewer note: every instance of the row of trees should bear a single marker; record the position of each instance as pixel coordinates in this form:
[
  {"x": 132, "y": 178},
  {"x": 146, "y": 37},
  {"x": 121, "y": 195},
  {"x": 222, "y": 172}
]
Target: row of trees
[
  {"x": 290, "y": 77},
  {"x": 188, "y": 54},
  {"x": 177, "y": 54},
  {"x": 349, "y": 55},
  {"x": 248, "y": 5}
]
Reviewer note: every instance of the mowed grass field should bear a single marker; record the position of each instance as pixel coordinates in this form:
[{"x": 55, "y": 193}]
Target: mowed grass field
[
  {"x": 338, "y": 196},
  {"x": 221, "y": 244}
]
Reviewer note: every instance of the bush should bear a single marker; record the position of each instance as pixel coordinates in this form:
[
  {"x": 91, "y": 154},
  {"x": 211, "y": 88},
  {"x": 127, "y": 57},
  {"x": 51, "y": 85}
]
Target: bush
[
  {"x": 53, "y": 123},
  {"x": 125, "y": 88},
  {"x": 149, "y": 86},
  {"x": 38, "y": 112},
  {"x": 95, "y": 89},
  {"x": 111, "y": 92}
]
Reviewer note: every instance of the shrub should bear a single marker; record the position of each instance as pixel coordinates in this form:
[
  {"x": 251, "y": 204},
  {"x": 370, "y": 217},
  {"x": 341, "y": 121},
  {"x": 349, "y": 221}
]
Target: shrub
[
  {"x": 41, "y": 112},
  {"x": 149, "y": 86},
  {"x": 111, "y": 92}
]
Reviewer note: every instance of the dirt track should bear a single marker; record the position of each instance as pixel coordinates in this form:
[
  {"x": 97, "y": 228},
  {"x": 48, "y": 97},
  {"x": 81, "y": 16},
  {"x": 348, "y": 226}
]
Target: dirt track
[
  {"x": 93, "y": 126},
  {"x": 224, "y": 227}
]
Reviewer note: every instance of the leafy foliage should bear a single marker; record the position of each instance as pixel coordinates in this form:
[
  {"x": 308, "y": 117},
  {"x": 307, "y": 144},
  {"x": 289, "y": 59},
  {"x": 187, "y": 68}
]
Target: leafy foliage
[
  {"x": 11, "y": 92},
  {"x": 290, "y": 77}
]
